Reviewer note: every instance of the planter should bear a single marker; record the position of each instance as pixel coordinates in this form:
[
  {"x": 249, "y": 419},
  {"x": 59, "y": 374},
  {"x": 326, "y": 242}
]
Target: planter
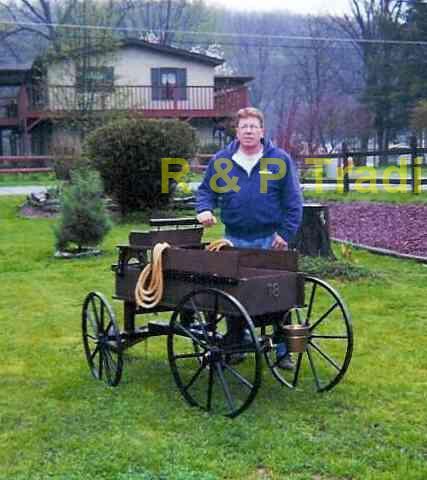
[{"x": 85, "y": 252}]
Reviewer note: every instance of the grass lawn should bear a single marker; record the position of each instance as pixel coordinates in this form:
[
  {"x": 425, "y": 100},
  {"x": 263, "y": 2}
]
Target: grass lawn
[
  {"x": 381, "y": 196},
  {"x": 57, "y": 422},
  {"x": 23, "y": 179}
]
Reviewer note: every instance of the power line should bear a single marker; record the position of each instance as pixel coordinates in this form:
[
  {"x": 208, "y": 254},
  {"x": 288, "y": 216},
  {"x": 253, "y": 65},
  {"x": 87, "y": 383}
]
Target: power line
[{"x": 219, "y": 34}]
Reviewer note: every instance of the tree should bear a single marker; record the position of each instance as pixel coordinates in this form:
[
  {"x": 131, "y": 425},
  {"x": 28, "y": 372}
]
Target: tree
[
  {"x": 378, "y": 21},
  {"x": 158, "y": 19},
  {"x": 129, "y": 154},
  {"x": 80, "y": 66},
  {"x": 419, "y": 116},
  {"x": 41, "y": 20},
  {"x": 413, "y": 72},
  {"x": 261, "y": 58},
  {"x": 85, "y": 54},
  {"x": 317, "y": 98},
  {"x": 290, "y": 77},
  {"x": 84, "y": 221}
]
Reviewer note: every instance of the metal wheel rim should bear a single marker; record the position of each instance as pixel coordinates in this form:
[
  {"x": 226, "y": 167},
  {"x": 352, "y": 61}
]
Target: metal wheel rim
[
  {"x": 212, "y": 372},
  {"x": 101, "y": 339},
  {"x": 292, "y": 379}
]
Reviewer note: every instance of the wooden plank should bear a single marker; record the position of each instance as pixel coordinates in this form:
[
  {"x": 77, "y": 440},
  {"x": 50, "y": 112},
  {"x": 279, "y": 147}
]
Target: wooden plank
[
  {"x": 223, "y": 263},
  {"x": 188, "y": 236},
  {"x": 25, "y": 158},
  {"x": 270, "y": 292},
  {"x": 9, "y": 122},
  {"x": 163, "y": 222},
  {"x": 268, "y": 259},
  {"x": 26, "y": 170}
]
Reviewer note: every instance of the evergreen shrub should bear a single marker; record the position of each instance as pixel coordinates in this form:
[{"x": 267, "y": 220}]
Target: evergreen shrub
[
  {"x": 84, "y": 221},
  {"x": 128, "y": 154}
]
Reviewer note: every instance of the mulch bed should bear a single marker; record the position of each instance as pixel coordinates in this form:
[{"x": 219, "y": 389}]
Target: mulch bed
[
  {"x": 36, "y": 212},
  {"x": 401, "y": 228}
]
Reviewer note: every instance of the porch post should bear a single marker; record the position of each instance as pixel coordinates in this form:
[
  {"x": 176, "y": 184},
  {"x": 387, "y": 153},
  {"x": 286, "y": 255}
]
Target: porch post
[{"x": 23, "y": 110}]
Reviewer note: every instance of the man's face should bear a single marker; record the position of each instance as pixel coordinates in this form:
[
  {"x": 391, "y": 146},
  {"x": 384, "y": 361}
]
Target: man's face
[{"x": 249, "y": 132}]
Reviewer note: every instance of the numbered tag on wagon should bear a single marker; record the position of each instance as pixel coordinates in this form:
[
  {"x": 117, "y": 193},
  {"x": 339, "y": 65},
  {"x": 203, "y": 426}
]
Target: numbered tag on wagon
[{"x": 273, "y": 289}]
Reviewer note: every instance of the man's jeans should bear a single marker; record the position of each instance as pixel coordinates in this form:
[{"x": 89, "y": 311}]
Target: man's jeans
[{"x": 263, "y": 243}]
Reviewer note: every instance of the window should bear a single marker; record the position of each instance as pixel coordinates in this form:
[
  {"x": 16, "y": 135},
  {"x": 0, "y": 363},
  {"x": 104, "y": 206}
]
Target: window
[
  {"x": 169, "y": 83},
  {"x": 9, "y": 142},
  {"x": 95, "y": 79}
]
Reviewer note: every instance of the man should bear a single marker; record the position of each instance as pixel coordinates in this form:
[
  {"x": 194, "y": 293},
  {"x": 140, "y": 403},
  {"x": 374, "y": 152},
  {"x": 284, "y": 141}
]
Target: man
[{"x": 256, "y": 186}]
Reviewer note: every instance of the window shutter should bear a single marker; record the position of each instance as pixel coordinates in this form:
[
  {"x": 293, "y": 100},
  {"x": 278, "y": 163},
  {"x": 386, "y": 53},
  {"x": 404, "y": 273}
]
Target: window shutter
[
  {"x": 155, "y": 84},
  {"x": 109, "y": 75},
  {"x": 181, "y": 77},
  {"x": 79, "y": 79}
]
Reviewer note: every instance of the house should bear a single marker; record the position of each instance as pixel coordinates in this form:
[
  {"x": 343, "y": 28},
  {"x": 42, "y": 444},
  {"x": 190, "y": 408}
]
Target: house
[{"x": 141, "y": 78}]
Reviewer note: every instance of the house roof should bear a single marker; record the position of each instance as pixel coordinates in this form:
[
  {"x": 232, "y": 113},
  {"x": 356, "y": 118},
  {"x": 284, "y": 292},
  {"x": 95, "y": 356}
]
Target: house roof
[
  {"x": 11, "y": 75},
  {"x": 19, "y": 69},
  {"x": 13, "y": 67},
  {"x": 234, "y": 78},
  {"x": 173, "y": 51}
]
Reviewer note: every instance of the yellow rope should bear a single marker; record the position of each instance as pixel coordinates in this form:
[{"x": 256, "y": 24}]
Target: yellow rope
[
  {"x": 149, "y": 287},
  {"x": 216, "y": 245}
]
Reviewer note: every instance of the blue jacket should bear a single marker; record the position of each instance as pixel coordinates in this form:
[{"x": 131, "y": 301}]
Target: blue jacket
[{"x": 250, "y": 212}]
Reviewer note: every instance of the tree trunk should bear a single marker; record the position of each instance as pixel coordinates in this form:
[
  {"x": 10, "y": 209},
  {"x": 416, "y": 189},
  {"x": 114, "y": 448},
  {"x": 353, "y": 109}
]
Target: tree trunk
[
  {"x": 313, "y": 235},
  {"x": 381, "y": 135},
  {"x": 364, "y": 145}
]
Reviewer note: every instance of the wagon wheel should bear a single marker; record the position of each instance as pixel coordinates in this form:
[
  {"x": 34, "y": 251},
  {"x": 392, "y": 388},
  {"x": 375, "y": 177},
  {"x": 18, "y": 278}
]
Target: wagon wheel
[
  {"x": 101, "y": 339},
  {"x": 330, "y": 344},
  {"x": 204, "y": 352}
]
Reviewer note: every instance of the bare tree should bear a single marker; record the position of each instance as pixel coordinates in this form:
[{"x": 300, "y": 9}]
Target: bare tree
[
  {"x": 376, "y": 20},
  {"x": 163, "y": 17},
  {"x": 319, "y": 77},
  {"x": 41, "y": 19},
  {"x": 259, "y": 55}
]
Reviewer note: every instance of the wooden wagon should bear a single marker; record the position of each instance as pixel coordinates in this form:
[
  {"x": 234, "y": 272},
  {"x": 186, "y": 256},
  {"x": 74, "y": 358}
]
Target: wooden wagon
[{"x": 226, "y": 305}]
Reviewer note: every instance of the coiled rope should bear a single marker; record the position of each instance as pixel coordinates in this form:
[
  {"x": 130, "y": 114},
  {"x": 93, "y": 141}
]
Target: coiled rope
[
  {"x": 216, "y": 245},
  {"x": 149, "y": 287}
]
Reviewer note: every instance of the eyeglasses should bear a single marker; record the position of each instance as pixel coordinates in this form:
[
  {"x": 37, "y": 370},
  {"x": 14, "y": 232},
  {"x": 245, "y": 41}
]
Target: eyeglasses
[{"x": 248, "y": 127}]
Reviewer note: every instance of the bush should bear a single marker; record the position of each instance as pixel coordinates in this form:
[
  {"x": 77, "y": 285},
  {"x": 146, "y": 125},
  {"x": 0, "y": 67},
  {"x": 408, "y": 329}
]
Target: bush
[
  {"x": 209, "y": 148},
  {"x": 322, "y": 267},
  {"x": 128, "y": 155},
  {"x": 84, "y": 220}
]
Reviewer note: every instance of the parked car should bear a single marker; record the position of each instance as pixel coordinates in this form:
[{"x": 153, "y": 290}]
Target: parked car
[{"x": 399, "y": 159}]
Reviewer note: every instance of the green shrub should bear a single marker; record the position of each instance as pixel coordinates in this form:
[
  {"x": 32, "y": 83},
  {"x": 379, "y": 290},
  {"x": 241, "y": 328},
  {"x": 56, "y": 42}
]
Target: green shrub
[
  {"x": 209, "y": 148},
  {"x": 128, "y": 155},
  {"x": 322, "y": 267},
  {"x": 84, "y": 220}
]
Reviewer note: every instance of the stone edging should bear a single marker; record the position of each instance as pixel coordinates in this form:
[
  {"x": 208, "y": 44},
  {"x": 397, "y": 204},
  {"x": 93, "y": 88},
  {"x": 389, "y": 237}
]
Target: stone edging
[{"x": 382, "y": 251}]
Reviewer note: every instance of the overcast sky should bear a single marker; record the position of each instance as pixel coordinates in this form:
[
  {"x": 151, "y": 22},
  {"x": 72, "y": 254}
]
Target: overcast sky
[{"x": 297, "y": 6}]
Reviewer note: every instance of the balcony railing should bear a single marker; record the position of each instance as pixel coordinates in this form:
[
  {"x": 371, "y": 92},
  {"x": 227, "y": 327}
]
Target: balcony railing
[{"x": 169, "y": 100}]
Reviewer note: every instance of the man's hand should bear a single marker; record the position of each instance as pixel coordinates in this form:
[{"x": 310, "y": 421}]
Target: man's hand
[
  {"x": 207, "y": 219},
  {"x": 279, "y": 243}
]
